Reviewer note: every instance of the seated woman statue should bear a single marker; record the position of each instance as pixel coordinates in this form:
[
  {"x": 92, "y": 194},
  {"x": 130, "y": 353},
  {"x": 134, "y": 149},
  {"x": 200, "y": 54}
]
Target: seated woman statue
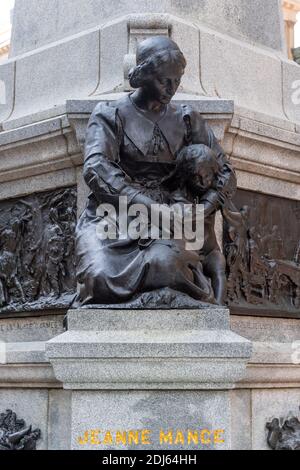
[{"x": 132, "y": 147}]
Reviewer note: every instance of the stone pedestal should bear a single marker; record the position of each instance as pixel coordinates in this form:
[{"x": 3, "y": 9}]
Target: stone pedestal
[{"x": 160, "y": 371}]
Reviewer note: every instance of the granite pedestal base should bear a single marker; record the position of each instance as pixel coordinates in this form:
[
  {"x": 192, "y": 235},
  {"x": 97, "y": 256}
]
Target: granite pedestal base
[{"x": 149, "y": 379}]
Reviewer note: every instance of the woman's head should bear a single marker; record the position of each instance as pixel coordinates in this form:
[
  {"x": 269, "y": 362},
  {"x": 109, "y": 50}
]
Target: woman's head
[{"x": 160, "y": 66}]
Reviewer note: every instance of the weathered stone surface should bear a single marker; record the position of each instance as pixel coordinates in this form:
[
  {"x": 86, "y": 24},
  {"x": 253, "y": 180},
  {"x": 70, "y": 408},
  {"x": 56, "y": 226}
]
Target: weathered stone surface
[
  {"x": 264, "y": 151},
  {"x": 107, "y": 320},
  {"x": 275, "y": 358},
  {"x": 27, "y": 376},
  {"x": 145, "y": 349},
  {"x": 36, "y": 117},
  {"x": 271, "y": 352},
  {"x": 25, "y": 352},
  {"x": 273, "y": 375},
  {"x": 265, "y": 119},
  {"x": 73, "y": 44},
  {"x": 187, "y": 35},
  {"x": 254, "y": 181},
  {"x": 240, "y": 404},
  {"x": 67, "y": 17},
  {"x": 231, "y": 69},
  {"x": 24, "y": 132},
  {"x": 264, "y": 129},
  {"x": 113, "y": 44},
  {"x": 148, "y": 343},
  {"x": 153, "y": 411},
  {"x": 149, "y": 373},
  {"x": 38, "y": 183},
  {"x": 59, "y": 425},
  {"x": 67, "y": 70},
  {"x": 30, "y": 329},
  {"x": 279, "y": 330},
  {"x": 204, "y": 104}
]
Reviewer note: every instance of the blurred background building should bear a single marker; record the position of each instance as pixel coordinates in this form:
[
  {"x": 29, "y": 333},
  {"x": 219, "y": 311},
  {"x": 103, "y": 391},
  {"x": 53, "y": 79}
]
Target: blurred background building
[
  {"x": 6, "y": 10},
  {"x": 4, "y": 43},
  {"x": 291, "y": 9}
]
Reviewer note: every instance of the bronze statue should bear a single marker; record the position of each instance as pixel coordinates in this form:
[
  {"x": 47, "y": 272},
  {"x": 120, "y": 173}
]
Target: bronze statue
[
  {"x": 37, "y": 262},
  {"x": 132, "y": 149},
  {"x": 15, "y": 435},
  {"x": 195, "y": 179},
  {"x": 284, "y": 436}
]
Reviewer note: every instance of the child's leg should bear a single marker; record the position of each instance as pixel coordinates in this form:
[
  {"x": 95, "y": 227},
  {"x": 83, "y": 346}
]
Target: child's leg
[{"x": 214, "y": 267}]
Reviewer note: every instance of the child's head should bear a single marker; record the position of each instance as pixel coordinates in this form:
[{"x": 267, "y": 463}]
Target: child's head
[{"x": 198, "y": 166}]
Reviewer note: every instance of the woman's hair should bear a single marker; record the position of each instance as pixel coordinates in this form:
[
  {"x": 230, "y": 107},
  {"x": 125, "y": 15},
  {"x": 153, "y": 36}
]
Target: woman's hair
[{"x": 144, "y": 71}]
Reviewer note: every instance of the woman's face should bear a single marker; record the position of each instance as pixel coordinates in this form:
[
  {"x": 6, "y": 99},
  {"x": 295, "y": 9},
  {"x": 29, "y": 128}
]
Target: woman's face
[{"x": 165, "y": 82}]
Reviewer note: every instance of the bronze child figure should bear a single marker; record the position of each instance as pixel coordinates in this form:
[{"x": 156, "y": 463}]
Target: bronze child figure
[{"x": 196, "y": 177}]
